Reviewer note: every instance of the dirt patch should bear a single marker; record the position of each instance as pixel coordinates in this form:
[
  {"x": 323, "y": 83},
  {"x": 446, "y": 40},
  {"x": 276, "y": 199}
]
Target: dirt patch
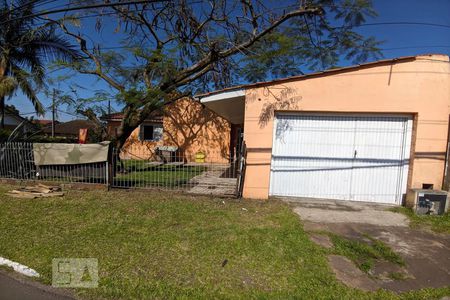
[
  {"x": 311, "y": 227},
  {"x": 321, "y": 240},
  {"x": 350, "y": 275},
  {"x": 387, "y": 272}
]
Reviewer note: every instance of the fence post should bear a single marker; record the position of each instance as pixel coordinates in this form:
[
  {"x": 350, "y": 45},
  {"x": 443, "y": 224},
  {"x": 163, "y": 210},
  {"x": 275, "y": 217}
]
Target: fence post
[
  {"x": 107, "y": 174},
  {"x": 241, "y": 170},
  {"x": 109, "y": 164}
]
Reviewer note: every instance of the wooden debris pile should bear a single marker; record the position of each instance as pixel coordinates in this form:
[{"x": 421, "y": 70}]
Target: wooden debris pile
[{"x": 37, "y": 191}]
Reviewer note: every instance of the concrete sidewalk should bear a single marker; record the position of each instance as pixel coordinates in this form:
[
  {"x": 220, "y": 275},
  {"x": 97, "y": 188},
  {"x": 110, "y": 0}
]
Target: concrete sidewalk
[{"x": 14, "y": 287}]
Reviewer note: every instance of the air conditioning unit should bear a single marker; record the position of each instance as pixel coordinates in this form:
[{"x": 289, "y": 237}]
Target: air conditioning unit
[{"x": 427, "y": 202}]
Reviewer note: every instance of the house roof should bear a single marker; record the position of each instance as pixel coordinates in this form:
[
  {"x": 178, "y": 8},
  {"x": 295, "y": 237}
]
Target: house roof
[
  {"x": 71, "y": 127},
  {"x": 321, "y": 73},
  {"x": 44, "y": 122},
  {"x": 13, "y": 113},
  {"x": 155, "y": 117}
]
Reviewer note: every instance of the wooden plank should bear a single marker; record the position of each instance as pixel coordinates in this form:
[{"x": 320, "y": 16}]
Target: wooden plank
[{"x": 38, "y": 191}]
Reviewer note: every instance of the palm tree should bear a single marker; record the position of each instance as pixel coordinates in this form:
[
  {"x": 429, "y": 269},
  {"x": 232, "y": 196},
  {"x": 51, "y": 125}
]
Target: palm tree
[{"x": 25, "y": 48}]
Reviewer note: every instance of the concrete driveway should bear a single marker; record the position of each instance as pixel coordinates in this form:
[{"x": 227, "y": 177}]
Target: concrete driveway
[
  {"x": 426, "y": 254},
  {"x": 329, "y": 211}
]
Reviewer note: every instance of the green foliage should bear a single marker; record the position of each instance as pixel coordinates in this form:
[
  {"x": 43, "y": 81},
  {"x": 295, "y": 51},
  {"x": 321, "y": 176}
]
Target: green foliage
[
  {"x": 4, "y": 134},
  {"x": 153, "y": 245},
  {"x": 313, "y": 42},
  {"x": 181, "y": 48},
  {"x": 437, "y": 223},
  {"x": 274, "y": 56},
  {"x": 24, "y": 49},
  {"x": 49, "y": 139},
  {"x": 364, "y": 254},
  {"x": 132, "y": 96},
  {"x": 12, "y": 109}
]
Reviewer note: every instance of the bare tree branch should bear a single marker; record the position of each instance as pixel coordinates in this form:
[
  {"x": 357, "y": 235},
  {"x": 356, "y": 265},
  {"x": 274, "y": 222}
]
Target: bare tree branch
[
  {"x": 98, "y": 70},
  {"x": 214, "y": 55}
]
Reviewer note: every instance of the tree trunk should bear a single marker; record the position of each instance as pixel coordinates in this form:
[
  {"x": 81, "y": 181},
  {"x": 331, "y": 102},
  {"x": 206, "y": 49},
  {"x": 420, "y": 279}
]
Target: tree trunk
[
  {"x": 2, "y": 108},
  {"x": 123, "y": 133},
  {"x": 2, "y": 97}
]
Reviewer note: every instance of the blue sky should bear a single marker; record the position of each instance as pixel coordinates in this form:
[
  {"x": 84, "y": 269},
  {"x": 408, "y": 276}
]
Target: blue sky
[{"x": 399, "y": 40}]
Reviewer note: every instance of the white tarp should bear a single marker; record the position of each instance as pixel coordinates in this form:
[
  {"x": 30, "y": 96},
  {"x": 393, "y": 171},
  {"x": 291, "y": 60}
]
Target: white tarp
[{"x": 69, "y": 154}]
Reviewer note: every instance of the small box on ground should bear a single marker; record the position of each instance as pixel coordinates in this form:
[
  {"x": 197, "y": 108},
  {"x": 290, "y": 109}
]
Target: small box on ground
[{"x": 427, "y": 202}]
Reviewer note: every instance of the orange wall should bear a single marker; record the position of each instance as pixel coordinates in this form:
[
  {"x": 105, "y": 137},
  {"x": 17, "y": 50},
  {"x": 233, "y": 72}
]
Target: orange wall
[
  {"x": 136, "y": 149},
  {"x": 420, "y": 86},
  {"x": 193, "y": 128},
  {"x": 190, "y": 127},
  {"x": 133, "y": 148}
]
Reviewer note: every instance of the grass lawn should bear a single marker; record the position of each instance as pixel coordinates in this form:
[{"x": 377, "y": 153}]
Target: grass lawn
[
  {"x": 161, "y": 245},
  {"x": 364, "y": 254},
  {"x": 436, "y": 223},
  {"x": 141, "y": 174}
]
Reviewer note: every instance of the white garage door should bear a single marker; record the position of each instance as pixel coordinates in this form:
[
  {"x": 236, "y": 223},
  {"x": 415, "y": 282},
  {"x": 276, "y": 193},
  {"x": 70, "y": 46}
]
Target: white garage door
[{"x": 349, "y": 157}]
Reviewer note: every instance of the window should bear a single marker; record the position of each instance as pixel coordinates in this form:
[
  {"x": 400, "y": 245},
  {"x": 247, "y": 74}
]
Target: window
[{"x": 151, "y": 132}]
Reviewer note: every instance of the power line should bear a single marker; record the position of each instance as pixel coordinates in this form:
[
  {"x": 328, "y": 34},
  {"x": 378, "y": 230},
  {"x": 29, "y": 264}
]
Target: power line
[
  {"x": 156, "y": 1},
  {"x": 28, "y": 113},
  {"x": 68, "y": 113},
  {"x": 384, "y": 49},
  {"x": 404, "y": 23},
  {"x": 103, "y": 14},
  {"x": 414, "y": 47},
  {"x": 26, "y": 4},
  {"x": 82, "y": 8},
  {"x": 196, "y": 2},
  {"x": 32, "y": 2},
  {"x": 99, "y": 5}
]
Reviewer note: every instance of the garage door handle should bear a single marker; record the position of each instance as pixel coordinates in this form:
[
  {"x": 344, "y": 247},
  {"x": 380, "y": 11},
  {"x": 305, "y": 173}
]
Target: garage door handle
[{"x": 354, "y": 155}]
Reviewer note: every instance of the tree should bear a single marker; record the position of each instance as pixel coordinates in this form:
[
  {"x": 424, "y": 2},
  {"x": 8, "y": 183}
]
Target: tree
[
  {"x": 175, "y": 48},
  {"x": 24, "y": 50}
]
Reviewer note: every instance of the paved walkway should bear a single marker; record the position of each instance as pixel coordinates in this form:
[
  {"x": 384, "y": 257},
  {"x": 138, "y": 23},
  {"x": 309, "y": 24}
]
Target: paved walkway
[
  {"x": 425, "y": 253},
  {"x": 212, "y": 182},
  {"x": 12, "y": 287}
]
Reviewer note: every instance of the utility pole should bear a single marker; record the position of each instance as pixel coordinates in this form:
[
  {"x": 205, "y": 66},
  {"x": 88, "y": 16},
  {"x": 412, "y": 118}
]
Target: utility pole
[
  {"x": 109, "y": 107},
  {"x": 53, "y": 113}
]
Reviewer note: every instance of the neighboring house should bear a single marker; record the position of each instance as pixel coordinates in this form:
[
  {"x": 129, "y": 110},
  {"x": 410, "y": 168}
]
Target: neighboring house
[
  {"x": 185, "y": 124},
  {"x": 13, "y": 119},
  {"x": 368, "y": 132},
  {"x": 44, "y": 123},
  {"x": 70, "y": 129}
]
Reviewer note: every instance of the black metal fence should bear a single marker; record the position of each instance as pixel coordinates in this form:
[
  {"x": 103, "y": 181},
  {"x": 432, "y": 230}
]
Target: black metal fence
[
  {"x": 211, "y": 174},
  {"x": 16, "y": 161}
]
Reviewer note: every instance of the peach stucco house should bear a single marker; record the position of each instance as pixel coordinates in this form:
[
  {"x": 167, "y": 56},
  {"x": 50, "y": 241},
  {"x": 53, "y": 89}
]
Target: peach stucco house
[
  {"x": 367, "y": 133},
  {"x": 186, "y": 125}
]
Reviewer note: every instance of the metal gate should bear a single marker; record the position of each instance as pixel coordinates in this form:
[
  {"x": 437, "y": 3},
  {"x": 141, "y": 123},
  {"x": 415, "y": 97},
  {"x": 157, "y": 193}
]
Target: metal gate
[
  {"x": 349, "y": 157},
  {"x": 139, "y": 167}
]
